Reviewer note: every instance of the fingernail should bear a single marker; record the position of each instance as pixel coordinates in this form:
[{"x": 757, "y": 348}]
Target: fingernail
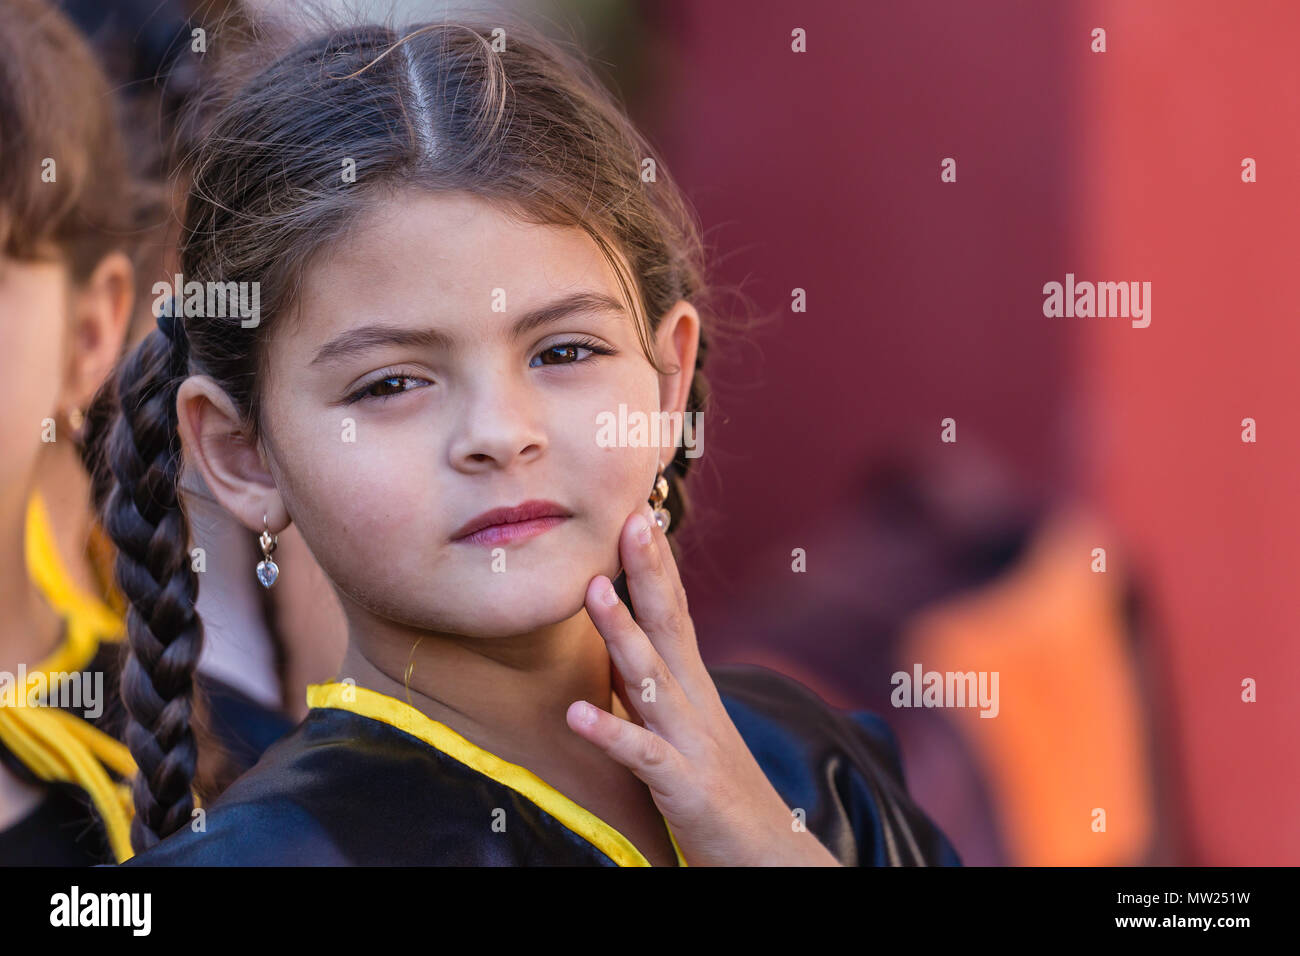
[
  {"x": 642, "y": 528},
  {"x": 609, "y": 595},
  {"x": 586, "y": 713}
]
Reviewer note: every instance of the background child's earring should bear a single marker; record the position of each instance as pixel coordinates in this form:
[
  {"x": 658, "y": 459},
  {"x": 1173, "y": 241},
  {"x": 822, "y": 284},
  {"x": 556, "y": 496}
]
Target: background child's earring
[
  {"x": 657, "y": 498},
  {"x": 267, "y": 570},
  {"x": 75, "y": 419}
]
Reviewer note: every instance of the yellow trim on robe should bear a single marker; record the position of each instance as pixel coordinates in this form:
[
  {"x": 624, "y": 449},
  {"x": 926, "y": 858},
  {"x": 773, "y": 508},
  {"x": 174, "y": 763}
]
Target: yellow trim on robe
[
  {"x": 58, "y": 746},
  {"x": 46, "y": 569},
  {"x": 55, "y": 745},
  {"x": 390, "y": 710}
]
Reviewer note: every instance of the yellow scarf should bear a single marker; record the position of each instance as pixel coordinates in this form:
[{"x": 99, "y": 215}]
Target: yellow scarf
[{"x": 54, "y": 744}]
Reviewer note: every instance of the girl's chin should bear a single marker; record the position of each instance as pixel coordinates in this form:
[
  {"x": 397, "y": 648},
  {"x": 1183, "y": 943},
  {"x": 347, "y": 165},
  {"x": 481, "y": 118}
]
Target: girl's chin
[{"x": 530, "y": 601}]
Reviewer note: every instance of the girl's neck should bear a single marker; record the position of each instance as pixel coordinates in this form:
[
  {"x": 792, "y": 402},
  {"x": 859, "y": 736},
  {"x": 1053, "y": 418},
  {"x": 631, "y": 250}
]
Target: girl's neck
[
  {"x": 238, "y": 646},
  {"x": 65, "y": 487},
  {"x": 508, "y": 695},
  {"x": 30, "y": 629}
]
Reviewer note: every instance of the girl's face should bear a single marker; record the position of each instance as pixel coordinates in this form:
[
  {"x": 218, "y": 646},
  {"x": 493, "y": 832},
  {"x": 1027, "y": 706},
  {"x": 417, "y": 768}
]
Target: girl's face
[
  {"x": 61, "y": 339},
  {"x": 33, "y": 309},
  {"x": 447, "y": 360}
]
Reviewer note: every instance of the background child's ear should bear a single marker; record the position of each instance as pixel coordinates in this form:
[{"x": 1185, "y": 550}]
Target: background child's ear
[
  {"x": 101, "y": 309},
  {"x": 229, "y": 461}
]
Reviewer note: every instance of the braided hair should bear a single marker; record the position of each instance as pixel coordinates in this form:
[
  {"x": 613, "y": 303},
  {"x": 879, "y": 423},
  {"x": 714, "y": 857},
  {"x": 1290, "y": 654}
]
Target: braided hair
[{"x": 136, "y": 483}]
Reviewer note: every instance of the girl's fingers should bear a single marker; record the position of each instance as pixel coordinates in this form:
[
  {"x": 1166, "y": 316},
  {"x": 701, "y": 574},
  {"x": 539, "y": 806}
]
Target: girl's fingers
[
  {"x": 655, "y": 761},
  {"x": 620, "y": 691},
  {"x": 652, "y": 585},
  {"x": 660, "y": 602},
  {"x": 670, "y": 561},
  {"x": 649, "y": 687}
]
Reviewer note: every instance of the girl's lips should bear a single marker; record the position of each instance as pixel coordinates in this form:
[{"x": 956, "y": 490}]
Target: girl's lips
[{"x": 515, "y": 531}]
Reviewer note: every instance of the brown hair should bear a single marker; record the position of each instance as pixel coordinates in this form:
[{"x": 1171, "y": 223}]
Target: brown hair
[
  {"x": 526, "y": 127},
  {"x": 56, "y": 105}
]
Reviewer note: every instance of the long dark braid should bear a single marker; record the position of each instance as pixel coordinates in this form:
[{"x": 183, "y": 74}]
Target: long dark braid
[{"x": 143, "y": 517}]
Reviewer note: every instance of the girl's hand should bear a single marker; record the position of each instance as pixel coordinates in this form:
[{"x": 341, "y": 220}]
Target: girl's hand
[{"x": 722, "y": 808}]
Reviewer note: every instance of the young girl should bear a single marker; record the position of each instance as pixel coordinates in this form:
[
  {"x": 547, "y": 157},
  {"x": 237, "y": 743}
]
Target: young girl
[
  {"x": 71, "y": 215},
  {"x": 66, "y": 220},
  {"x": 466, "y": 260}
]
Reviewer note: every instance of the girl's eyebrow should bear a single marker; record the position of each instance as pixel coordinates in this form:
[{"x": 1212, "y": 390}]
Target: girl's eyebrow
[{"x": 368, "y": 337}]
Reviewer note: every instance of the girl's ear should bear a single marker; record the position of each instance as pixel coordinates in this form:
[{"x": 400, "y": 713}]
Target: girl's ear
[
  {"x": 229, "y": 462},
  {"x": 100, "y": 313},
  {"x": 677, "y": 340}
]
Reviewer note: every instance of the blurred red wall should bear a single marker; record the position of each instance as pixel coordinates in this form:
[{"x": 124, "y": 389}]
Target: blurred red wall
[
  {"x": 1185, "y": 93},
  {"x": 821, "y": 171}
]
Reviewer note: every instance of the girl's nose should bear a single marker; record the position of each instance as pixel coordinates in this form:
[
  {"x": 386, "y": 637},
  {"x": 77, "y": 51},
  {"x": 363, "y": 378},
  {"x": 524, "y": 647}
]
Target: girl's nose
[{"x": 498, "y": 423}]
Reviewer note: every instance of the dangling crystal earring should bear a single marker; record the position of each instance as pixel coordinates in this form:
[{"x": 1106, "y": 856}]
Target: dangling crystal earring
[
  {"x": 266, "y": 568},
  {"x": 657, "y": 498}
]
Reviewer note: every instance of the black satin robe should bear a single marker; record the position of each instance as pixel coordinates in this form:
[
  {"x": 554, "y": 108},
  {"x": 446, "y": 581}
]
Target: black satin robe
[
  {"x": 64, "y": 829},
  {"x": 374, "y": 782}
]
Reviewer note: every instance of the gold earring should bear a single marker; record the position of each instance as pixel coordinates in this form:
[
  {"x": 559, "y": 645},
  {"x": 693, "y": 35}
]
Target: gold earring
[
  {"x": 267, "y": 570},
  {"x": 657, "y": 498},
  {"x": 76, "y": 418}
]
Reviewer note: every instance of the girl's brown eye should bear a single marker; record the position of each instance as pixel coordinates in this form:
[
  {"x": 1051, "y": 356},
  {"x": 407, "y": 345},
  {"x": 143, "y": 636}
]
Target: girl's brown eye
[
  {"x": 380, "y": 389},
  {"x": 562, "y": 350},
  {"x": 567, "y": 353},
  {"x": 383, "y": 382}
]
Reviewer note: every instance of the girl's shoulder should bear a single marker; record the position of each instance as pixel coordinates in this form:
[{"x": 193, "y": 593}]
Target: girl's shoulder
[
  {"x": 352, "y": 788},
  {"x": 269, "y": 816},
  {"x": 343, "y": 788},
  {"x": 338, "y": 789},
  {"x": 842, "y": 769}
]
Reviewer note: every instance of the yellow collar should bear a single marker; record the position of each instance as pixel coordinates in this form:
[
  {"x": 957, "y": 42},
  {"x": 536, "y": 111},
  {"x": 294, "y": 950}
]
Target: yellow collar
[
  {"x": 90, "y": 620},
  {"x": 53, "y": 744},
  {"x": 390, "y": 710}
]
